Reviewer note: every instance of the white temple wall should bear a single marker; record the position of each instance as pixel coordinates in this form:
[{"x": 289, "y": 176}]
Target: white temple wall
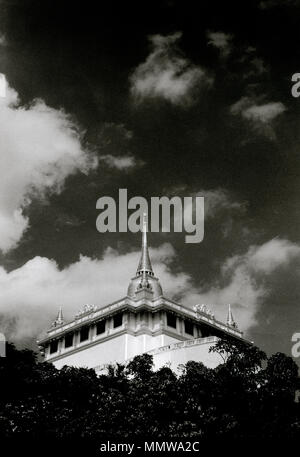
[
  {"x": 117, "y": 349},
  {"x": 198, "y": 353},
  {"x": 110, "y": 351},
  {"x": 143, "y": 343}
]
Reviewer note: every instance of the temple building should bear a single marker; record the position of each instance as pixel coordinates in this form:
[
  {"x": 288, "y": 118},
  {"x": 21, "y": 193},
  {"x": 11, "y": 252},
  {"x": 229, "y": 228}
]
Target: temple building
[{"x": 142, "y": 321}]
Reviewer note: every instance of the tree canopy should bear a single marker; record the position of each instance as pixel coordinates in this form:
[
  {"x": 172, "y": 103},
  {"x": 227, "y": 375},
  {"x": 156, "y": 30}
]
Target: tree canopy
[{"x": 247, "y": 396}]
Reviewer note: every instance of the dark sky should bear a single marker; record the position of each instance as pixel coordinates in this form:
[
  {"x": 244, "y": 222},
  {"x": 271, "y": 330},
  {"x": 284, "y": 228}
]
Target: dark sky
[{"x": 230, "y": 131}]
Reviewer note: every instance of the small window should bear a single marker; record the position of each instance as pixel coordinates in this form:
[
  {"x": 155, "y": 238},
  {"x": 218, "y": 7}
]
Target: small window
[
  {"x": 100, "y": 327},
  {"x": 118, "y": 320},
  {"x": 84, "y": 334},
  {"x": 69, "y": 340},
  {"x": 171, "y": 320},
  {"x": 53, "y": 346},
  {"x": 189, "y": 327}
]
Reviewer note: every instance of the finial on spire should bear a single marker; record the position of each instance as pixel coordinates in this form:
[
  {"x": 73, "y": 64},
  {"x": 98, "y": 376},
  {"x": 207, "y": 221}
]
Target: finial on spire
[
  {"x": 59, "y": 319},
  {"x": 145, "y": 263},
  {"x": 144, "y": 279},
  {"x": 145, "y": 223},
  {"x": 230, "y": 320}
]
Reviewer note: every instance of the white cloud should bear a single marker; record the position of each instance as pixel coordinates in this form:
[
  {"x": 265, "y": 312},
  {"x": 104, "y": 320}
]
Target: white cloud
[
  {"x": 260, "y": 116},
  {"x": 264, "y": 113},
  {"x": 120, "y": 162},
  {"x": 215, "y": 201},
  {"x": 167, "y": 74},
  {"x": 113, "y": 145},
  {"x": 31, "y": 295},
  {"x": 39, "y": 147},
  {"x": 219, "y": 199},
  {"x": 272, "y": 255},
  {"x": 241, "y": 291},
  {"x": 242, "y": 280},
  {"x": 221, "y": 41}
]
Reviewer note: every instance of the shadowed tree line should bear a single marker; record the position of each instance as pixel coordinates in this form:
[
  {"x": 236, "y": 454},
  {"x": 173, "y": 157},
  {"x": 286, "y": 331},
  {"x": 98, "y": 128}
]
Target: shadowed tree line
[{"x": 248, "y": 396}]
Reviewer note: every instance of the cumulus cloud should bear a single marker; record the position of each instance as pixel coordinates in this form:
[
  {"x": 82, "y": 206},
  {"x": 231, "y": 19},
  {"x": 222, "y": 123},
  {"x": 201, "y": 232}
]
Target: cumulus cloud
[
  {"x": 264, "y": 113},
  {"x": 217, "y": 202},
  {"x": 260, "y": 116},
  {"x": 167, "y": 74},
  {"x": 244, "y": 281},
  {"x": 221, "y": 41},
  {"x": 272, "y": 255},
  {"x": 31, "y": 295},
  {"x": 40, "y": 146},
  {"x": 215, "y": 199},
  {"x": 219, "y": 199}
]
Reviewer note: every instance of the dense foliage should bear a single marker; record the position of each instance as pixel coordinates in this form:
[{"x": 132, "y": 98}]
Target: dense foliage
[{"x": 247, "y": 396}]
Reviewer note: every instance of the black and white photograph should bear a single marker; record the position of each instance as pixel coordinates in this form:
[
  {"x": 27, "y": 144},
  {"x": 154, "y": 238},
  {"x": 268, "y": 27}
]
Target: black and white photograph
[{"x": 149, "y": 227}]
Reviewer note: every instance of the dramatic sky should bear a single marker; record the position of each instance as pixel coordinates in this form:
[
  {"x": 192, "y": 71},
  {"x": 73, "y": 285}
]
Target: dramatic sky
[{"x": 161, "y": 98}]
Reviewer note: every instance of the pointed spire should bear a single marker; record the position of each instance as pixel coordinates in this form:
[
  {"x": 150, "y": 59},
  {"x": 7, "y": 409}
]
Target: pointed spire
[
  {"x": 230, "y": 320},
  {"x": 60, "y": 318},
  {"x": 144, "y": 280},
  {"x": 145, "y": 263}
]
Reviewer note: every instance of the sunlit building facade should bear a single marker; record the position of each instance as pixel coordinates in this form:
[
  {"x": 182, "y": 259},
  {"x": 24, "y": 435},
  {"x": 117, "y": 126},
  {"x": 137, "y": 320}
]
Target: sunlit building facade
[{"x": 144, "y": 321}]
